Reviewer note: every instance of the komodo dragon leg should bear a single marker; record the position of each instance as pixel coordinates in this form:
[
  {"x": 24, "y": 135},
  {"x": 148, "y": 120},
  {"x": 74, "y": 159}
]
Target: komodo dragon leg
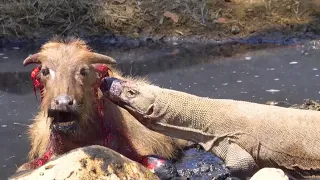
[{"x": 237, "y": 159}]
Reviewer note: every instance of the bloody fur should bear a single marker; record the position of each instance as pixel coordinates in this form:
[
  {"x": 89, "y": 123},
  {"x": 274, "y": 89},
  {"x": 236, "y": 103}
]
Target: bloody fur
[
  {"x": 103, "y": 72},
  {"x": 101, "y": 69},
  {"x": 167, "y": 148},
  {"x": 150, "y": 162}
]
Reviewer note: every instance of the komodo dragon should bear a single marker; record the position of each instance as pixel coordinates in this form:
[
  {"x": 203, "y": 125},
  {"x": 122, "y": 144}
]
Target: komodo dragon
[{"x": 247, "y": 136}]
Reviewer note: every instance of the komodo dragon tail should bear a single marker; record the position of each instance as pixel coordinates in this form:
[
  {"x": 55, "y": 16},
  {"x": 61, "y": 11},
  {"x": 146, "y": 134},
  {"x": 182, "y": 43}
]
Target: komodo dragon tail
[{"x": 243, "y": 134}]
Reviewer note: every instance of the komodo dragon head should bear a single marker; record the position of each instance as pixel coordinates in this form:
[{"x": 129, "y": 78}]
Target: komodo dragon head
[{"x": 132, "y": 96}]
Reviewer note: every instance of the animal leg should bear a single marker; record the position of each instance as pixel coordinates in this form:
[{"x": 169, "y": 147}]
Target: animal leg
[{"x": 238, "y": 160}]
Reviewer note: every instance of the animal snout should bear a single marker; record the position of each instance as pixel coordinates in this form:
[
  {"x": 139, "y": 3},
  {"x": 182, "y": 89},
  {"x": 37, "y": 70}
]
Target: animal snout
[
  {"x": 107, "y": 83},
  {"x": 63, "y": 102},
  {"x": 112, "y": 86}
]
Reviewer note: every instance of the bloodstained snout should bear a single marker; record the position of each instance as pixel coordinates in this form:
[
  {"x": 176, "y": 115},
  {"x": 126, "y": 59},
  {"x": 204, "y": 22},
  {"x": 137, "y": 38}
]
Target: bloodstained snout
[{"x": 111, "y": 87}]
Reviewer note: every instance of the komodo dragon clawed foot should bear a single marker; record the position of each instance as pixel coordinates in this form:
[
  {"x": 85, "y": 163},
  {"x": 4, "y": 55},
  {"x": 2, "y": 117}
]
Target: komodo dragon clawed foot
[{"x": 240, "y": 162}]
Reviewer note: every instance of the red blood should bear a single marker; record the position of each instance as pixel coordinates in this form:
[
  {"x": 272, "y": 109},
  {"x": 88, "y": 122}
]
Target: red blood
[
  {"x": 103, "y": 72},
  {"x": 152, "y": 163},
  {"x": 163, "y": 168},
  {"x": 36, "y": 82},
  {"x": 42, "y": 160},
  {"x": 103, "y": 69}
]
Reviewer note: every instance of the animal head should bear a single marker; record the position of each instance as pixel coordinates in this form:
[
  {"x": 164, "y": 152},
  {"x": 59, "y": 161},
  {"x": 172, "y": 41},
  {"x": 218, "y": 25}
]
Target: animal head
[
  {"x": 68, "y": 75},
  {"x": 138, "y": 98}
]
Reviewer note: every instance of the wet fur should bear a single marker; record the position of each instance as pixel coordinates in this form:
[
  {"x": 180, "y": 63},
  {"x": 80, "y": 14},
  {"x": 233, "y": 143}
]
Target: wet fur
[{"x": 127, "y": 130}]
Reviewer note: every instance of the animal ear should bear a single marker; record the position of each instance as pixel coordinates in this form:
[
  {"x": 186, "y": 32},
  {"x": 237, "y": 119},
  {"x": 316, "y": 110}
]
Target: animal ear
[
  {"x": 101, "y": 69},
  {"x": 32, "y": 59},
  {"x": 102, "y": 59}
]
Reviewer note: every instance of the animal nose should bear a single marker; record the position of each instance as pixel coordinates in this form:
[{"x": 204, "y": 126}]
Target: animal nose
[{"x": 64, "y": 100}]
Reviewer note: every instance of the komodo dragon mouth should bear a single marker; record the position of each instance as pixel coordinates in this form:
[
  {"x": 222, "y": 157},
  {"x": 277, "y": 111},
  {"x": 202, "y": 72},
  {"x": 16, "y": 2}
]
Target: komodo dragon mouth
[{"x": 63, "y": 120}]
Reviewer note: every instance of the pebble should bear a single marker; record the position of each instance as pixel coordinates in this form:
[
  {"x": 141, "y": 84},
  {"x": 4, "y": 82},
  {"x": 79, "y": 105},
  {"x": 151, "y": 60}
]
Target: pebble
[
  {"x": 248, "y": 58},
  {"x": 235, "y": 30},
  {"x": 272, "y": 90},
  {"x": 270, "y": 173}
]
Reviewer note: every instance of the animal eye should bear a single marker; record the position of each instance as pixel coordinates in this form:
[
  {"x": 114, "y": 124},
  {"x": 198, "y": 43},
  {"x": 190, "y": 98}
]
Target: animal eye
[
  {"x": 132, "y": 92},
  {"x": 84, "y": 71},
  {"x": 45, "y": 71}
]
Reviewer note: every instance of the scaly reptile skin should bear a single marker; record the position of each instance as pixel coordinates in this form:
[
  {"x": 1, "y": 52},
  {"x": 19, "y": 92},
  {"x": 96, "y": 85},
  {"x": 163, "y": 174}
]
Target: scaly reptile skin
[{"x": 245, "y": 135}]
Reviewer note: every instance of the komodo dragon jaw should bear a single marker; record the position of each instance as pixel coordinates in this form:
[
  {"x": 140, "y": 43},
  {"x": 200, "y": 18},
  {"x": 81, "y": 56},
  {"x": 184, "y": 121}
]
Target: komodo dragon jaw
[{"x": 245, "y": 135}]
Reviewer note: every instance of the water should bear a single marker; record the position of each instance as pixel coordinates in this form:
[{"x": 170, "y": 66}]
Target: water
[{"x": 278, "y": 73}]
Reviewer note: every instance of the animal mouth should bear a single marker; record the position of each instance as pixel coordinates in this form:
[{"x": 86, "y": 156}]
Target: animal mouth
[{"x": 62, "y": 120}]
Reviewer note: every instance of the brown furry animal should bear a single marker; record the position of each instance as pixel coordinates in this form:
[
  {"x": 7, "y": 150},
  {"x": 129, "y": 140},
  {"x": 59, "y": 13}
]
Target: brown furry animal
[{"x": 69, "y": 117}]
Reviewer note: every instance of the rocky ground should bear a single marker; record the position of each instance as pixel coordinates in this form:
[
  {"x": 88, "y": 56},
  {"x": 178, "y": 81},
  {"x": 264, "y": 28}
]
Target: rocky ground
[
  {"x": 97, "y": 162},
  {"x": 307, "y": 104}
]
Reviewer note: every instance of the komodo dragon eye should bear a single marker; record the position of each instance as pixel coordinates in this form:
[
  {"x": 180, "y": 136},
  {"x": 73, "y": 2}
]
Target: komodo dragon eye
[{"x": 132, "y": 93}]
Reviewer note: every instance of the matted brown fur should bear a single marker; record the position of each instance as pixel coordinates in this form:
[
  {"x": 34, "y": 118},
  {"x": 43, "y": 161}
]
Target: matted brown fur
[{"x": 66, "y": 57}]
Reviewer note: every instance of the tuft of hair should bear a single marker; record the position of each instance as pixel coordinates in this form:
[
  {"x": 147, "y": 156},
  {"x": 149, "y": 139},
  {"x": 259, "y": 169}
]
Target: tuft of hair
[
  {"x": 138, "y": 79},
  {"x": 57, "y": 41}
]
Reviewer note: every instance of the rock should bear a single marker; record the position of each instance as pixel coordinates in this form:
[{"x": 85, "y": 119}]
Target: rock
[
  {"x": 269, "y": 173},
  {"x": 235, "y": 30},
  {"x": 91, "y": 162},
  {"x": 196, "y": 163}
]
